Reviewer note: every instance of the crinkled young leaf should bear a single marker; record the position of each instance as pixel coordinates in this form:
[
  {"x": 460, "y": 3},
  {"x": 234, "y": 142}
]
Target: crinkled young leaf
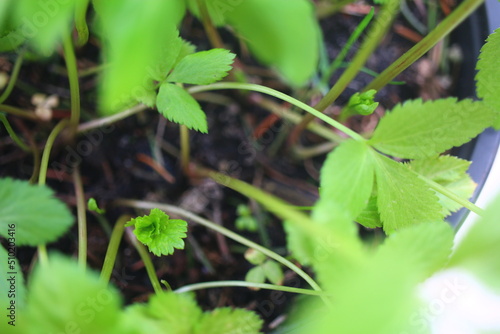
[
  {"x": 347, "y": 177},
  {"x": 228, "y": 320},
  {"x": 38, "y": 216},
  {"x": 450, "y": 172},
  {"x": 488, "y": 66},
  {"x": 160, "y": 233},
  {"x": 425, "y": 246},
  {"x": 62, "y": 296},
  {"x": 202, "y": 68},
  {"x": 280, "y": 33},
  {"x": 403, "y": 198},
  {"x": 178, "y": 106},
  {"x": 418, "y": 129}
]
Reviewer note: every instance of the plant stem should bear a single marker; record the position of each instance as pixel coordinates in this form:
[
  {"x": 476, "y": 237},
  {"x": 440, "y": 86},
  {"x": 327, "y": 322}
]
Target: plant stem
[
  {"x": 13, "y": 134},
  {"x": 185, "y": 148},
  {"x": 13, "y": 77},
  {"x": 18, "y": 112},
  {"x": 463, "y": 202},
  {"x": 97, "y": 123},
  {"x": 48, "y": 147},
  {"x": 221, "y": 284},
  {"x": 417, "y": 51},
  {"x": 114, "y": 244},
  {"x": 377, "y": 32},
  {"x": 281, "y": 96},
  {"x": 146, "y": 259},
  {"x": 81, "y": 22},
  {"x": 74, "y": 85},
  {"x": 82, "y": 218},
  {"x": 210, "y": 30},
  {"x": 222, "y": 230},
  {"x": 343, "y": 53}
]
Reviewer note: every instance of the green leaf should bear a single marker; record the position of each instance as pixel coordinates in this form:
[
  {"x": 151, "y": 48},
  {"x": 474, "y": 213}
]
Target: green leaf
[
  {"x": 125, "y": 25},
  {"x": 178, "y": 106},
  {"x": 159, "y": 233},
  {"x": 229, "y": 320},
  {"x": 417, "y": 129},
  {"x": 347, "y": 177},
  {"x": 63, "y": 297},
  {"x": 273, "y": 272},
  {"x": 403, "y": 199},
  {"x": 256, "y": 275},
  {"x": 488, "y": 85},
  {"x": 280, "y": 33},
  {"x": 12, "y": 283},
  {"x": 33, "y": 212},
  {"x": 202, "y": 68},
  {"x": 426, "y": 247},
  {"x": 450, "y": 172},
  {"x": 43, "y": 23},
  {"x": 479, "y": 249},
  {"x": 370, "y": 217},
  {"x": 176, "y": 313},
  {"x": 254, "y": 256}
]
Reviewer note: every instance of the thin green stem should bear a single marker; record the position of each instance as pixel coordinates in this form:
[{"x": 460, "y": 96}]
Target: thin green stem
[
  {"x": 451, "y": 195},
  {"x": 185, "y": 148},
  {"x": 81, "y": 22},
  {"x": 82, "y": 218},
  {"x": 18, "y": 112},
  {"x": 13, "y": 77},
  {"x": 114, "y": 244},
  {"x": 48, "y": 147},
  {"x": 377, "y": 32},
  {"x": 74, "y": 85},
  {"x": 441, "y": 30},
  {"x": 228, "y": 233},
  {"x": 146, "y": 259},
  {"x": 343, "y": 53},
  {"x": 97, "y": 123},
  {"x": 222, "y": 284},
  {"x": 281, "y": 96},
  {"x": 42, "y": 255},
  {"x": 13, "y": 134}
]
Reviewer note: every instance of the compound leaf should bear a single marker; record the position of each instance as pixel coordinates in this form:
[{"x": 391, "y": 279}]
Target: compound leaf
[
  {"x": 418, "y": 129},
  {"x": 159, "y": 233},
  {"x": 488, "y": 66},
  {"x": 32, "y": 212},
  {"x": 202, "y": 68},
  {"x": 403, "y": 198},
  {"x": 177, "y": 105},
  {"x": 450, "y": 172}
]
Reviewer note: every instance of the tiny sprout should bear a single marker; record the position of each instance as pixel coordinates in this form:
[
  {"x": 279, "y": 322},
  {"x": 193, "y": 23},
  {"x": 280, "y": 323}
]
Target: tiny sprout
[
  {"x": 160, "y": 233},
  {"x": 361, "y": 104},
  {"x": 92, "y": 206}
]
